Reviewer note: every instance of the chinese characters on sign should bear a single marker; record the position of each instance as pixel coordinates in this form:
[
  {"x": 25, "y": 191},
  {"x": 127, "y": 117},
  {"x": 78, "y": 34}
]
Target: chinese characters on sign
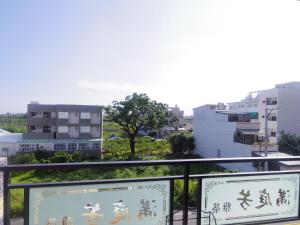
[
  {"x": 250, "y": 198},
  {"x": 125, "y": 204}
]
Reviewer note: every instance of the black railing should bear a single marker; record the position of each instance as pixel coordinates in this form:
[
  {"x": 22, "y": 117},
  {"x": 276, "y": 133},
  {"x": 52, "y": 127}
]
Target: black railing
[{"x": 186, "y": 176}]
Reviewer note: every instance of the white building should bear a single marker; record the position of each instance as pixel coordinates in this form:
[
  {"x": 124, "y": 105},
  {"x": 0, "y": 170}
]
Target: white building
[
  {"x": 216, "y": 135},
  {"x": 283, "y": 107},
  {"x": 9, "y": 143},
  {"x": 232, "y": 132}
]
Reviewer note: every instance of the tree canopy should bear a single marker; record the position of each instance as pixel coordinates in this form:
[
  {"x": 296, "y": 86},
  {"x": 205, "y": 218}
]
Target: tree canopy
[
  {"x": 139, "y": 112},
  {"x": 289, "y": 143},
  {"x": 182, "y": 143}
]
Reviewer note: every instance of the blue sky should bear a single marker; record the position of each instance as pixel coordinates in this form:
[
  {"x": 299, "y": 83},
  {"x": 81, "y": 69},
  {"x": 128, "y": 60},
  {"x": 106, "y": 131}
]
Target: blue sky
[{"x": 186, "y": 52}]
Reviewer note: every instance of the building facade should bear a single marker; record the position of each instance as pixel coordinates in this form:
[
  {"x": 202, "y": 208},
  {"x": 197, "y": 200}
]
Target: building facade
[
  {"x": 63, "y": 127},
  {"x": 280, "y": 106},
  {"x": 216, "y": 135},
  {"x": 236, "y": 130}
]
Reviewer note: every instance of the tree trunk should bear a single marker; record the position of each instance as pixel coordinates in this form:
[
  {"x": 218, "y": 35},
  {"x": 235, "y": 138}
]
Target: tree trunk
[{"x": 132, "y": 147}]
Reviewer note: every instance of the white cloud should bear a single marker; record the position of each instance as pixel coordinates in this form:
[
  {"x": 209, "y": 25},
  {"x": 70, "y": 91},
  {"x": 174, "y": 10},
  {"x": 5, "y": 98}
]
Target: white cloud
[{"x": 108, "y": 86}]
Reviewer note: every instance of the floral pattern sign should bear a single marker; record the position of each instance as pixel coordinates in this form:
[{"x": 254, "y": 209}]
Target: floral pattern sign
[
  {"x": 241, "y": 199},
  {"x": 134, "y": 203}
]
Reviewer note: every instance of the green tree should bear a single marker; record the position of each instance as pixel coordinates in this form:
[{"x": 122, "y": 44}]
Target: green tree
[
  {"x": 139, "y": 112},
  {"x": 289, "y": 143},
  {"x": 182, "y": 143}
]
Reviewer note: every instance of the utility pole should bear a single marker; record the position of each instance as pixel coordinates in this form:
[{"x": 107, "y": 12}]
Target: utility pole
[{"x": 266, "y": 138}]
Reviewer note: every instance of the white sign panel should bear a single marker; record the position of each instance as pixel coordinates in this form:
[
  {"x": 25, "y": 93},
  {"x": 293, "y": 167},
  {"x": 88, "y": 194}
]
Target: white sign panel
[
  {"x": 241, "y": 199},
  {"x": 134, "y": 203}
]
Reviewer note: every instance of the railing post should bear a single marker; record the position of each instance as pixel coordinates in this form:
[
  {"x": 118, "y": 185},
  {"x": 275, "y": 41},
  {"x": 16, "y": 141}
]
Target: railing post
[
  {"x": 6, "y": 198},
  {"x": 199, "y": 201},
  {"x": 186, "y": 194},
  {"x": 26, "y": 206},
  {"x": 171, "y": 202}
]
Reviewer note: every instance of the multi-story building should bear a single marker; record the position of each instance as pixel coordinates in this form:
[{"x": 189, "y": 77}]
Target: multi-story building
[
  {"x": 235, "y": 130},
  {"x": 63, "y": 127},
  {"x": 279, "y": 105}
]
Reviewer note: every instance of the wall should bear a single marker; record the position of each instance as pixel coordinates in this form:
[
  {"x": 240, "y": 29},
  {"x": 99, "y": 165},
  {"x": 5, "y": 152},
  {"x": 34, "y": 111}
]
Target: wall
[
  {"x": 289, "y": 110},
  {"x": 12, "y": 149},
  {"x": 272, "y": 125},
  {"x": 213, "y": 133}
]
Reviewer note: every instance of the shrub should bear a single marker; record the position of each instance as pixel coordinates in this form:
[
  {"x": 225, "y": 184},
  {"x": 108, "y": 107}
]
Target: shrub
[
  {"x": 182, "y": 143},
  {"x": 61, "y": 157},
  {"x": 25, "y": 158}
]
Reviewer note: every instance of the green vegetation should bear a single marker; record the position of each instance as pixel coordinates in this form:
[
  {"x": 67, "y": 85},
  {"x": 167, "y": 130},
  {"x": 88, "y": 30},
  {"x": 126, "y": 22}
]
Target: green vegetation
[
  {"x": 147, "y": 148},
  {"x": 138, "y": 112},
  {"x": 15, "y": 123},
  {"x": 182, "y": 143},
  {"x": 289, "y": 143}
]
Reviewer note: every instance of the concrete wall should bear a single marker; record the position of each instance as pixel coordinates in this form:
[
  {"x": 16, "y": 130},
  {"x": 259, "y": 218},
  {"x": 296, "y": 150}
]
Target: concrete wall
[
  {"x": 289, "y": 110},
  {"x": 95, "y": 118},
  {"x": 95, "y": 131},
  {"x": 214, "y": 138},
  {"x": 73, "y": 131},
  {"x": 12, "y": 149},
  {"x": 74, "y": 118},
  {"x": 272, "y": 125}
]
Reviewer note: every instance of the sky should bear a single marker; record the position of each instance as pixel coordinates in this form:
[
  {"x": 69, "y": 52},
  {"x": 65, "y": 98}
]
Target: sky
[{"x": 188, "y": 53}]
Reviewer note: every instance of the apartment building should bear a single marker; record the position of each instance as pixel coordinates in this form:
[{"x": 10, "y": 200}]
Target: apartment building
[
  {"x": 279, "y": 105},
  {"x": 62, "y": 127},
  {"x": 233, "y": 131}
]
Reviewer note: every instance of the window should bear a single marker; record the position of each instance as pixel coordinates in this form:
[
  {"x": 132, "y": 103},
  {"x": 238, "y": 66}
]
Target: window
[
  {"x": 33, "y": 113},
  {"x": 255, "y": 105},
  {"x": 83, "y": 146},
  {"x": 271, "y": 101},
  {"x": 60, "y": 146},
  {"x": 85, "y": 129},
  {"x": 273, "y": 118},
  {"x": 32, "y": 127},
  {"x": 273, "y": 134},
  {"x": 72, "y": 146},
  {"x": 96, "y": 146},
  {"x": 27, "y": 147},
  {"x": 63, "y": 115},
  {"x": 46, "y": 129},
  {"x": 85, "y": 115},
  {"x": 46, "y": 114},
  {"x": 5, "y": 150},
  {"x": 62, "y": 129}
]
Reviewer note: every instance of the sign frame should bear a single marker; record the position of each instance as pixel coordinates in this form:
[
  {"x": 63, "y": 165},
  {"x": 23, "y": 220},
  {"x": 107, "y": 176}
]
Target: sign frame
[
  {"x": 215, "y": 178},
  {"x": 132, "y": 185}
]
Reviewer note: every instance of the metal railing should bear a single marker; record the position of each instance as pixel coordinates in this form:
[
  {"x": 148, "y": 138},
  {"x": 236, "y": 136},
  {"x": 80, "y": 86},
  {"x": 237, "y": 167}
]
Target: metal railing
[{"x": 186, "y": 176}]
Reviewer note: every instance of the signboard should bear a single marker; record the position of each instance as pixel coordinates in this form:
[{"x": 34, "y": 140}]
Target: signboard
[
  {"x": 133, "y": 203},
  {"x": 241, "y": 199}
]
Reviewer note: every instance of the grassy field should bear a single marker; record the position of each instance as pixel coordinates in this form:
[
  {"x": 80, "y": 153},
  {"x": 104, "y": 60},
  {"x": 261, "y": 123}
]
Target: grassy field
[{"x": 15, "y": 123}]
